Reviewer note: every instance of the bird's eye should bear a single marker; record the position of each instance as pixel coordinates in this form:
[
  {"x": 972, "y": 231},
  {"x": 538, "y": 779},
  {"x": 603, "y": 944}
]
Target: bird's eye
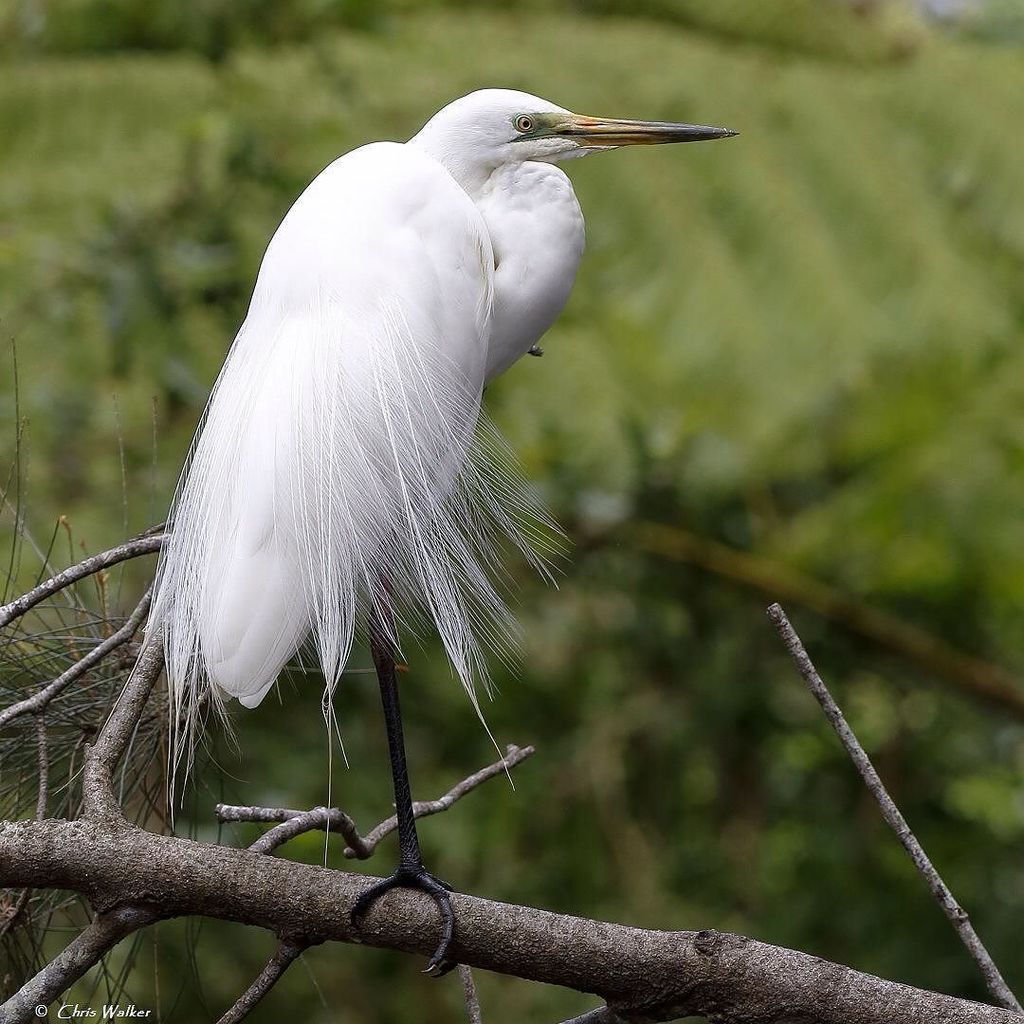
[{"x": 523, "y": 123}]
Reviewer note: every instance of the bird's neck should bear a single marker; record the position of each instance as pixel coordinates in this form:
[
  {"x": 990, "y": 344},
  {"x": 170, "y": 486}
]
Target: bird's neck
[
  {"x": 471, "y": 173},
  {"x": 536, "y": 231}
]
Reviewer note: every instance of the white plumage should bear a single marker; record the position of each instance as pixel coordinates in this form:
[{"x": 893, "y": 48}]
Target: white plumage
[{"x": 340, "y": 463}]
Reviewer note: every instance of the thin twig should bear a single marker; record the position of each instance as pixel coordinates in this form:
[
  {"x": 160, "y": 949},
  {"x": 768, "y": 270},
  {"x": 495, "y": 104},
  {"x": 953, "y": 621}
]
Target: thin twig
[
  {"x": 44, "y": 767},
  {"x": 15, "y": 911},
  {"x": 602, "y": 1015},
  {"x": 282, "y": 959},
  {"x": 469, "y": 995},
  {"x": 145, "y": 544},
  {"x": 298, "y": 822},
  {"x": 424, "y": 808},
  {"x": 957, "y": 915},
  {"x": 41, "y": 698},
  {"x": 294, "y": 823}
]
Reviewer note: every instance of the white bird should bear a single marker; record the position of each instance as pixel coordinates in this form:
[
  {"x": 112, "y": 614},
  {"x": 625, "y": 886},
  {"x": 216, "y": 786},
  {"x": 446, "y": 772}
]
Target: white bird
[{"x": 340, "y": 473}]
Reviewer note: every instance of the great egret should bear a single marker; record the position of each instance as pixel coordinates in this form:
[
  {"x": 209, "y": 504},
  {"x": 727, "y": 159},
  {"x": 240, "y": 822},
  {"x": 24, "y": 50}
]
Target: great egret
[{"x": 335, "y": 477}]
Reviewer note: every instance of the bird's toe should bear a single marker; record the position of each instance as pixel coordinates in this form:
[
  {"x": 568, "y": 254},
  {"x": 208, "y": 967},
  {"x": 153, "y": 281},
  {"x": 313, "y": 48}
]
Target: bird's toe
[{"x": 437, "y": 889}]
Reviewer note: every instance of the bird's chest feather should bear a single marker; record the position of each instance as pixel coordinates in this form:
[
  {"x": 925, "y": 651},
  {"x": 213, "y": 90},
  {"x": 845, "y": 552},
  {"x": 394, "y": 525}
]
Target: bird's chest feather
[{"x": 536, "y": 231}]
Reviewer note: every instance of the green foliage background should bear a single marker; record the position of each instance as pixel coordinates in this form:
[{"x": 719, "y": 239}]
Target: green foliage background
[{"x": 804, "y": 344}]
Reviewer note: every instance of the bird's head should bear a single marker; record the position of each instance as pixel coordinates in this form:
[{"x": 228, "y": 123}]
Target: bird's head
[{"x": 492, "y": 127}]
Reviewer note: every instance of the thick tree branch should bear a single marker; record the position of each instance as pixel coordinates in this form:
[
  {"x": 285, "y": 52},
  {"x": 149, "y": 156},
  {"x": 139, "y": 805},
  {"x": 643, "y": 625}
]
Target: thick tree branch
[
  {"x": 951, "y": 908},
  {"x": 657, "y": 975},
  {"x": 145, "y": 544}
]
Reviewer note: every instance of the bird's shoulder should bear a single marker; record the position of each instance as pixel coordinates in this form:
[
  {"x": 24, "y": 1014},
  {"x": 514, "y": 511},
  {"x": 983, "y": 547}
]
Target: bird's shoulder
[
  {"x": 382, "y": 225},
  {"x": 386, "y": 183},
  {"x": 380, "y": 207}
]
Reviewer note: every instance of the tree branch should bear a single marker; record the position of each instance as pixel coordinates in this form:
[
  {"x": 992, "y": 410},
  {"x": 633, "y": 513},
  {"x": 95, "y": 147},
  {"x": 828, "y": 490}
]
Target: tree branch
[
  {"x": 43, "y": 766},
  {"x": 294, "y": 823},
  {"x": 655, "y": 975},
  {"x": 42, "y": 798},
  {"x": 145, "y": 544},
  {"x": 79, "y": 956},
  {"x": 41, "y": 698},
  {"x": 471, "y": 999},
  {"x": 423, "y": 808},
  {"x": 602, "y": 1015},
  {"x": 957, "y": 915},
  {"x": 973, "y": 676},
  {"x": 102, "y": 757},
  {"x": 282, "y": 959},
  {"x": 133, "y": 877}
]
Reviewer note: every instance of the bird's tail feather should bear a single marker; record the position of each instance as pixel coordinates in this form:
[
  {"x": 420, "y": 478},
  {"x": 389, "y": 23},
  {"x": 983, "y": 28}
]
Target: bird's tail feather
[{"x": 338, "y": 470}]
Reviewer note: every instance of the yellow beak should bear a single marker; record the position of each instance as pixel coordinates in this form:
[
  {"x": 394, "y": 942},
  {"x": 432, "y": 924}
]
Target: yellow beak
[{"x": 607, "y": 131}]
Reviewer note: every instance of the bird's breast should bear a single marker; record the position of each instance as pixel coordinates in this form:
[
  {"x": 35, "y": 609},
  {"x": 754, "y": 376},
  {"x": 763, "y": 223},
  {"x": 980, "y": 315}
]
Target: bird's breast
[{"x": 537, "y": 236}]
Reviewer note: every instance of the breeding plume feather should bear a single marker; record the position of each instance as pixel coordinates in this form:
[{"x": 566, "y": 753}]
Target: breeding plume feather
[
  {"x": 338, "y": 465},
  {"x": 342, "y": 472}
]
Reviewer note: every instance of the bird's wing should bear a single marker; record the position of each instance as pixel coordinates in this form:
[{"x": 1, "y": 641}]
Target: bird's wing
[{"x": 337, "y": 454}]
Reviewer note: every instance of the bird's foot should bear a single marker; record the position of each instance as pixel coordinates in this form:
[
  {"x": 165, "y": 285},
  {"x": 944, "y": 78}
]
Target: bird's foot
[{"x": 421, "y": 879}]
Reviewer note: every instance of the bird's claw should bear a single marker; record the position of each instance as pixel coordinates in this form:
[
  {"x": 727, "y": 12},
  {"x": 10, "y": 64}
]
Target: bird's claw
[{"x": 424, "y": 881}]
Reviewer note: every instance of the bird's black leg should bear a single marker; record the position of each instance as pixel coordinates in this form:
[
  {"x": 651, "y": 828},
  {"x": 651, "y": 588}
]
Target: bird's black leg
[{"x": 410, "y": 874}]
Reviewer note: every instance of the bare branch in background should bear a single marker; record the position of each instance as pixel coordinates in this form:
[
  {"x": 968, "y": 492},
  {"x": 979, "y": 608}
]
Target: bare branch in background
[
  {"x": 957, "y": 915},
  {"x": 283, "y": 957},
  {"x": 38, "y": 701},
  {"x": 294, "y": 823},
  {"x": 14, "y": 911},
  {"x": 145, "y": 544},
  {"x": 973, "y": 676}
]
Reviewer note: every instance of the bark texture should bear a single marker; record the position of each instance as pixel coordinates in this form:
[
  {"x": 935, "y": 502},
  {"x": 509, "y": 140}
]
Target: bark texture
[{"x": 647, "y": 975}]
